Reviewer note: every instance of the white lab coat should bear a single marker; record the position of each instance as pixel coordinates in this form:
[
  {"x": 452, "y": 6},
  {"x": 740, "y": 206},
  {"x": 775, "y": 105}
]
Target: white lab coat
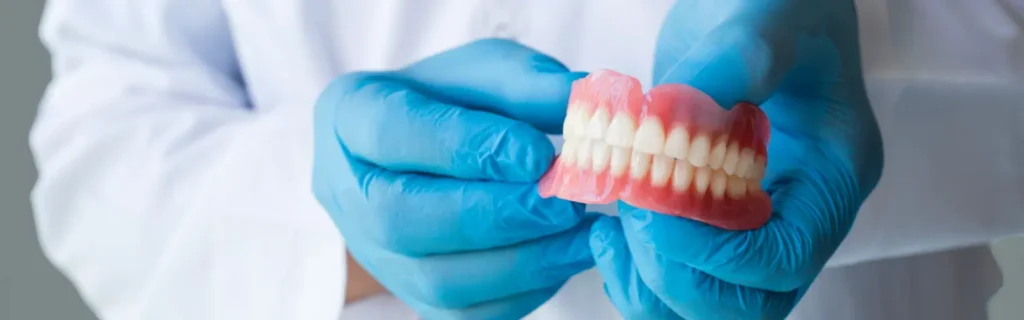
[{"x": 174, "y": 147}]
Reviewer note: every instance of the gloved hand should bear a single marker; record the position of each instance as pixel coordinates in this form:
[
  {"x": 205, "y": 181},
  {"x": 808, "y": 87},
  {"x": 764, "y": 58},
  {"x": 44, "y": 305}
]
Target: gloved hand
[
  {"x": 799, "y": 60},
  {"x": 430, "y": 173}
]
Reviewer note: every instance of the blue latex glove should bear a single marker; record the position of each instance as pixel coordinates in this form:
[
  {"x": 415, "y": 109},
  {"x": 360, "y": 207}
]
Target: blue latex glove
[
  {"x": 430, "y": 173},
  {"x": 800, "y": 61}
]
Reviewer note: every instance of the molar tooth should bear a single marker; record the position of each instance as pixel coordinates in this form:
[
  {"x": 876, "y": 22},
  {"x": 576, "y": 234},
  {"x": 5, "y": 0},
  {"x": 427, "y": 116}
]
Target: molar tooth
[
  {"x": 682, "y": 174},
  {"x": 701, "y": 179},
  {"x": 583, "y": 154},
  {"x": 569, "y": 151},
  {"x": 746, "y": 160},
  {"x": 601, "y": 155},
  {"x": 717, "y": 157},
  {"x": 621, "y": 131},
  {"x": 756, "y": 171},
  {"x": 598, "y": 124},
  {"x": 732, "y": 159},
  {"x": 650, "y": 137},
  {"x": 639, "y": 164},
  {"x": 579, "y": 127},
  {"x": 619, "y": 160},
  {"x": 737, "y": 187},
  {"x": 753, "y": 186},
  {"x": 700, "y": 150},
  {"x": 677, "y": 143},
  {"x": 718, "y": 181},
  {"x": 661, "y": 170}
]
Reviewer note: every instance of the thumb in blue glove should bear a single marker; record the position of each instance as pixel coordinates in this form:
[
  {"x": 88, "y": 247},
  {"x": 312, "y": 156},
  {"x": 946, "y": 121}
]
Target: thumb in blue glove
[{"x": 799, "y": 60}]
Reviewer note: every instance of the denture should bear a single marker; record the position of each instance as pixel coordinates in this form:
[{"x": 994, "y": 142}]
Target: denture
[{"x": 673, "y": 150}]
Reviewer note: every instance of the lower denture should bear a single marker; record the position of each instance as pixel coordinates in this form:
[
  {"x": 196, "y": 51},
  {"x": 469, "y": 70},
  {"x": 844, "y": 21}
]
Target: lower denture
[{"x": 673, "y": 150}]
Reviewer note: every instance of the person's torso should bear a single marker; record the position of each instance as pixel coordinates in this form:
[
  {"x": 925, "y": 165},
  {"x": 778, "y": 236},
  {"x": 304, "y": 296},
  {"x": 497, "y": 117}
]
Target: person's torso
[{"x": 289, "y": 50}]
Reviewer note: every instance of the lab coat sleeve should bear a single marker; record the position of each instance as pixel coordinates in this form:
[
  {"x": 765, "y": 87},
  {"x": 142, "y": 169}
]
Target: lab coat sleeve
[{"x": 162, "y": 193}]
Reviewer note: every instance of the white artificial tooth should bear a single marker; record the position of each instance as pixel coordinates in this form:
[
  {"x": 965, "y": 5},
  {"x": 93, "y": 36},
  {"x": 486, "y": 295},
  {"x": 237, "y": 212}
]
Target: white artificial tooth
[
  {"x": 661, "y": 170},
  {"x": 753, "y": 186},
  {"x": 700, "y": 150},
  {"x": 701, "y": 179},
  {"x": 569, "y": 151},
  {"x": 756, "y": 171},
  {"x": 682, "y": 174},
  {"x": 579, "y": 128},
  {"x": 717, "y": 157},
  {"x": 601, "y": 154},
  {"x": 718, "y": 181},
  {"x": 732, "y": 158},
  {"x": 570, "y": 120},
  {"x": 746, "y": 160},
  {"x": 737, "y": 187},
  {"x": 598, "y": 125},
  {"x": 621, "y": 131},
  {"x": 650, "y": 137},
  {"x": 639, "y": 164},
  {"x": 677, "y": 143},
  {"x": 619, "y": 160},
  {"x": 583, "y": 153}
]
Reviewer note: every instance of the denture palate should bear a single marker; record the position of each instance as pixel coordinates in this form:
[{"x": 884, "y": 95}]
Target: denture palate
[{"x": 673, "y": 150}]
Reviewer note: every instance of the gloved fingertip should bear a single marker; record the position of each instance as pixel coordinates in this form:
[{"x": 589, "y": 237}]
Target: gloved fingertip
[
  {"x": 576, "y": 75},
  {"x": 605, "y": 236},
  {"x": 743, "y": 64},
  {"x": 636, "y": 217},
  {"x": 549, "y": 100},
  {"x": 521, "y": 154}
]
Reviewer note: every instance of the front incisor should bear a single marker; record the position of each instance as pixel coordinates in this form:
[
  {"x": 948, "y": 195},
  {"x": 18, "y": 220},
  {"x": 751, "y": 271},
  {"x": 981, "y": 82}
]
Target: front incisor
[
  {"x": 677, "y": 143},
  {"x": 718, "y": 184},
  {"x": 700, "y": 150},
  {"x": 650, "y": 137},
  {"x": 661, "y": 170},
  {"x": 621, "y": 131},
  {"x": 701, "y": 179},
  {"x": 601, "y": 154},
  {"x": 620, "y": 160},
  {"x": 598, "y": 125},
  {"x": 639, "y": 164},
  {"x": 583, "y": 153},
  {"x": 682, "y": 174}
]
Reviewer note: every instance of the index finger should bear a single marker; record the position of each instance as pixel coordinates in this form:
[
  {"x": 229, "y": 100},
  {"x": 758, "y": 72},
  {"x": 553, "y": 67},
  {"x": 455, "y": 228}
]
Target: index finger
[
  {"x": 387, "y": 123},
  {"x": 479, "y": 111}
]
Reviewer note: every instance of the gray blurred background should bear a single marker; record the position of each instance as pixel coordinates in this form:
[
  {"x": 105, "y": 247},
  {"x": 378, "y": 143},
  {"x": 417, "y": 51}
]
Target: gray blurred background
[{"x": 30, "y": 288}]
